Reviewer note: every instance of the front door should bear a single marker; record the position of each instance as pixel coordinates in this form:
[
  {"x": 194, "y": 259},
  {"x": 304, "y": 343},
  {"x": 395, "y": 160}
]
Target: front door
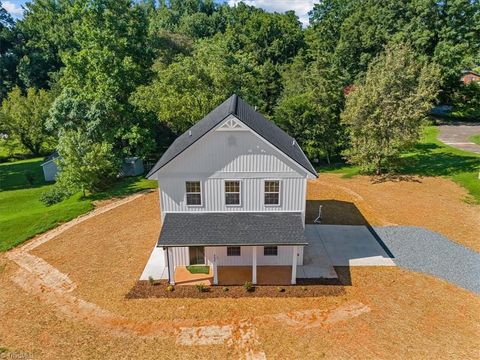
[{"x": 197, "y": 255}]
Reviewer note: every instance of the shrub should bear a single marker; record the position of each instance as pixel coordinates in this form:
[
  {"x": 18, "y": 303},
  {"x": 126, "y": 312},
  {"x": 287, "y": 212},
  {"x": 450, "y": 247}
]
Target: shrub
[
  {"x": 201, "y": 287},
  {"x": 225, "y": 289},
  {"x": 248, "y": 286},
  {"x": 30, "y": 176},
  {"x": 304, "y": 288},
  {"x": 280, "y": 289},
  {"x": 170, "y": 288},
  {"x": 54, "y": 195}
]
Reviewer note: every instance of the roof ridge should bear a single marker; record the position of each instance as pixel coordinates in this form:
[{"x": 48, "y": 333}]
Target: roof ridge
[
  {"x": 233, "y": 104},
  {"x": 237, "y": 107}
]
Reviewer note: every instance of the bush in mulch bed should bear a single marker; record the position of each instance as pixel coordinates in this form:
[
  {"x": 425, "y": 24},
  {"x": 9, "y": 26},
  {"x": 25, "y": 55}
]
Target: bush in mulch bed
[{"x": 143, "y": 290}]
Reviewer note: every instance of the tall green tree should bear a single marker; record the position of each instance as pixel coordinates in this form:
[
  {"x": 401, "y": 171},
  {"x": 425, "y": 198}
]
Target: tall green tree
[
  {"x": 310, "y": 107},
  {"x": 354, "y": 32},
  {"x": 46, "y": 32},
  {"x": 111, "y": 58},
  {"x": 467, "y": 100},
  {"x": 384, "y": 113},
  {"x": 85, "y": 165},
  {"x": 24, "y": 118},
  {"x": 186, "y": 90},
  {"x": 8, "y": 52},
  {"x": 326, "y": 21},
  {"x": 263, "y": 43}
]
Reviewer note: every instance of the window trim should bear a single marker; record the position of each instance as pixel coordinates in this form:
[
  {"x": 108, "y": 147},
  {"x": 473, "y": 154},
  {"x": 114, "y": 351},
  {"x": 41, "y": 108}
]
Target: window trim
[
  {"x": 239, "y": 251},
  {"x": 273, "y": 246},
  {"x": 239, "y": 193},
  {"x": 279, "y": 193},
  {"x": 201, "y": 193}
]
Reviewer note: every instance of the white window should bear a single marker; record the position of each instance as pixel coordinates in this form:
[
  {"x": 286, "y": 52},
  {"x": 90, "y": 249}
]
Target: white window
[
  {"x": 194, "y": 193},
  {"x": 270, "y": 250},
  {"x": 232, "y": 192},
  {"x": 233, "y": 250},
  {"x": 272, "y": 192}
]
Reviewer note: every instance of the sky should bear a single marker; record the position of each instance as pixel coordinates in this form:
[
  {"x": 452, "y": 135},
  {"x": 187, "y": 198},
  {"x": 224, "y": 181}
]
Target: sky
[
  {"x": 14, "y": 7},
  {"x": 301, "y": 7}
]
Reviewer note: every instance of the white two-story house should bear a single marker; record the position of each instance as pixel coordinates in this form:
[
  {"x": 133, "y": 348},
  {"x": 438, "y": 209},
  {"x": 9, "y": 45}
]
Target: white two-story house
[{"x": 232, "y": 194}]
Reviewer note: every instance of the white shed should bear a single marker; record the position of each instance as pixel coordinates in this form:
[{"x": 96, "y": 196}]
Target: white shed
[
  {"x": 131, "y": 166},
  {"x": 50, "y": 169}
]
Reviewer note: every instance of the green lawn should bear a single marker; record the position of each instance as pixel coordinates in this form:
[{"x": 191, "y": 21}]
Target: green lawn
[
  {"x": 433, "y": 158},
  {"x": 23, "y": 215},
  {"x": 475, "y": 139},
  {"x": 12, "y": 149},
  {"x": 198, "y": 269}
]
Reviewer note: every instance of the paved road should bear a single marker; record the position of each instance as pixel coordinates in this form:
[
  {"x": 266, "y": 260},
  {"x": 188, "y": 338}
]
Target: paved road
[
  {"x": 459, "y": 136},
  {"x": 418, "y": 249}
]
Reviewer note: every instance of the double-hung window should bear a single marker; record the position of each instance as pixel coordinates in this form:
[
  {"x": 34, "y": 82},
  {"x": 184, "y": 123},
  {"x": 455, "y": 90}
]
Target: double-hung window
[
  {"x": 270, "y": 250},
  {"x": 194, "y": 193},
  {"x": 233, "y": 250},
  {"x": 272, "y": 192},
  {"x": 232, "y": 192}
]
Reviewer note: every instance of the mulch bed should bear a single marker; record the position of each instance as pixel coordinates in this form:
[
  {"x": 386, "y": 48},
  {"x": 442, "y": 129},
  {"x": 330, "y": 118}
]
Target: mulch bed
[{"x": 144, "y": 290}]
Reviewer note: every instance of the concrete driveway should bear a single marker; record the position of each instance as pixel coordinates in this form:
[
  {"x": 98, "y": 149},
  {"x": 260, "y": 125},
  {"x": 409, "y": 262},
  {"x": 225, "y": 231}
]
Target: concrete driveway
[
  {"x": 345, "y": 245},
  {"x": 459, "y": 136}
]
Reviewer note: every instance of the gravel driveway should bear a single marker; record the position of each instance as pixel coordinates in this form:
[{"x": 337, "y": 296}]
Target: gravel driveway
[
  {"x": 425, "y": 251},
  {"x": 459, "y": 136}
]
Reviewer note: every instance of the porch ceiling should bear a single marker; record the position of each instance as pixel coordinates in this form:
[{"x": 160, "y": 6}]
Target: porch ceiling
[{"x": 230, "y": 229}]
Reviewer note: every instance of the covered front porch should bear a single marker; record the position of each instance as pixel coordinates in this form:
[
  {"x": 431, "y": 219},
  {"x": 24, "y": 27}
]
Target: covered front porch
[
  {"x": 247, "y": 266},
  {"x": 235, "y": 275},
  {"x": 261, "y": 248}
]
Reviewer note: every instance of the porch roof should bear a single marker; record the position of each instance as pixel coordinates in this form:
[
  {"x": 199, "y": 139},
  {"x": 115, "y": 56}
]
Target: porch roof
[{"x": 232, "y": 229}]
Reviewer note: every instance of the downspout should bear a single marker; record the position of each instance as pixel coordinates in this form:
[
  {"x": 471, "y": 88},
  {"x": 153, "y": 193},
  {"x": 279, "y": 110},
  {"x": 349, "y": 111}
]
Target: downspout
[{"x": 168, "y": 264}]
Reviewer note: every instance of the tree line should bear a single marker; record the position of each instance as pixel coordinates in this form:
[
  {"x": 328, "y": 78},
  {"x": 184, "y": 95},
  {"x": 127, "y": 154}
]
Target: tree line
[{"x": 100, "y": 80}]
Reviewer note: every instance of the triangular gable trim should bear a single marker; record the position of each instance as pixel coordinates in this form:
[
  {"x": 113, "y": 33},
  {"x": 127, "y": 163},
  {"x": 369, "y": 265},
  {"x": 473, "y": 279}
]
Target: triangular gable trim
[
  {"x": 232, "y": 111},
  {"x": 245, "y": 127}
]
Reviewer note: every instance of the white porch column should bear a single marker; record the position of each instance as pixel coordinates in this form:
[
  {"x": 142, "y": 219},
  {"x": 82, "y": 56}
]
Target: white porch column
[
  {"x": 294, "y": 265},
  {"x": 215, "y": 269},
  {"x": 171, "y": 266},
  {"x": 254, "y": 265}
]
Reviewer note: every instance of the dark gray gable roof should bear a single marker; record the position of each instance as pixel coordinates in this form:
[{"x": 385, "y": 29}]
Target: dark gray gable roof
[
  {"x": 254, "y": 120},
  {"x": 239, "y": 228},
  {"x": 52, "y": 156}
]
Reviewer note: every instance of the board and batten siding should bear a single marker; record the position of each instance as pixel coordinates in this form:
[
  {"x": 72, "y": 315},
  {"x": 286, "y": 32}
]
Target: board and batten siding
[
  {"x": 50, "y": 170},
  {"x": 284, "y": 257},
  {"x": 230, "y": 155},
  {"x": 181, "y": 256},
  {"x": 251, "y": 195}
]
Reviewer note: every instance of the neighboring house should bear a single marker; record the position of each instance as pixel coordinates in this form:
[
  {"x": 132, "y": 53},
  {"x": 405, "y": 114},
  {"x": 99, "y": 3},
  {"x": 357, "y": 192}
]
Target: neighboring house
[
  {"x": 468, "y": 76},
  {"x": 131, "y": 166},
  {"x": 232, "y": 193},
  {"x": 49, "y": 166}
]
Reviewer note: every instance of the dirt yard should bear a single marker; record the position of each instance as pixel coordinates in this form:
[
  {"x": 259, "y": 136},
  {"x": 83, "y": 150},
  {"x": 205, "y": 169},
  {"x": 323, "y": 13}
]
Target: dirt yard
[{"x": 67, "y": 295}]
